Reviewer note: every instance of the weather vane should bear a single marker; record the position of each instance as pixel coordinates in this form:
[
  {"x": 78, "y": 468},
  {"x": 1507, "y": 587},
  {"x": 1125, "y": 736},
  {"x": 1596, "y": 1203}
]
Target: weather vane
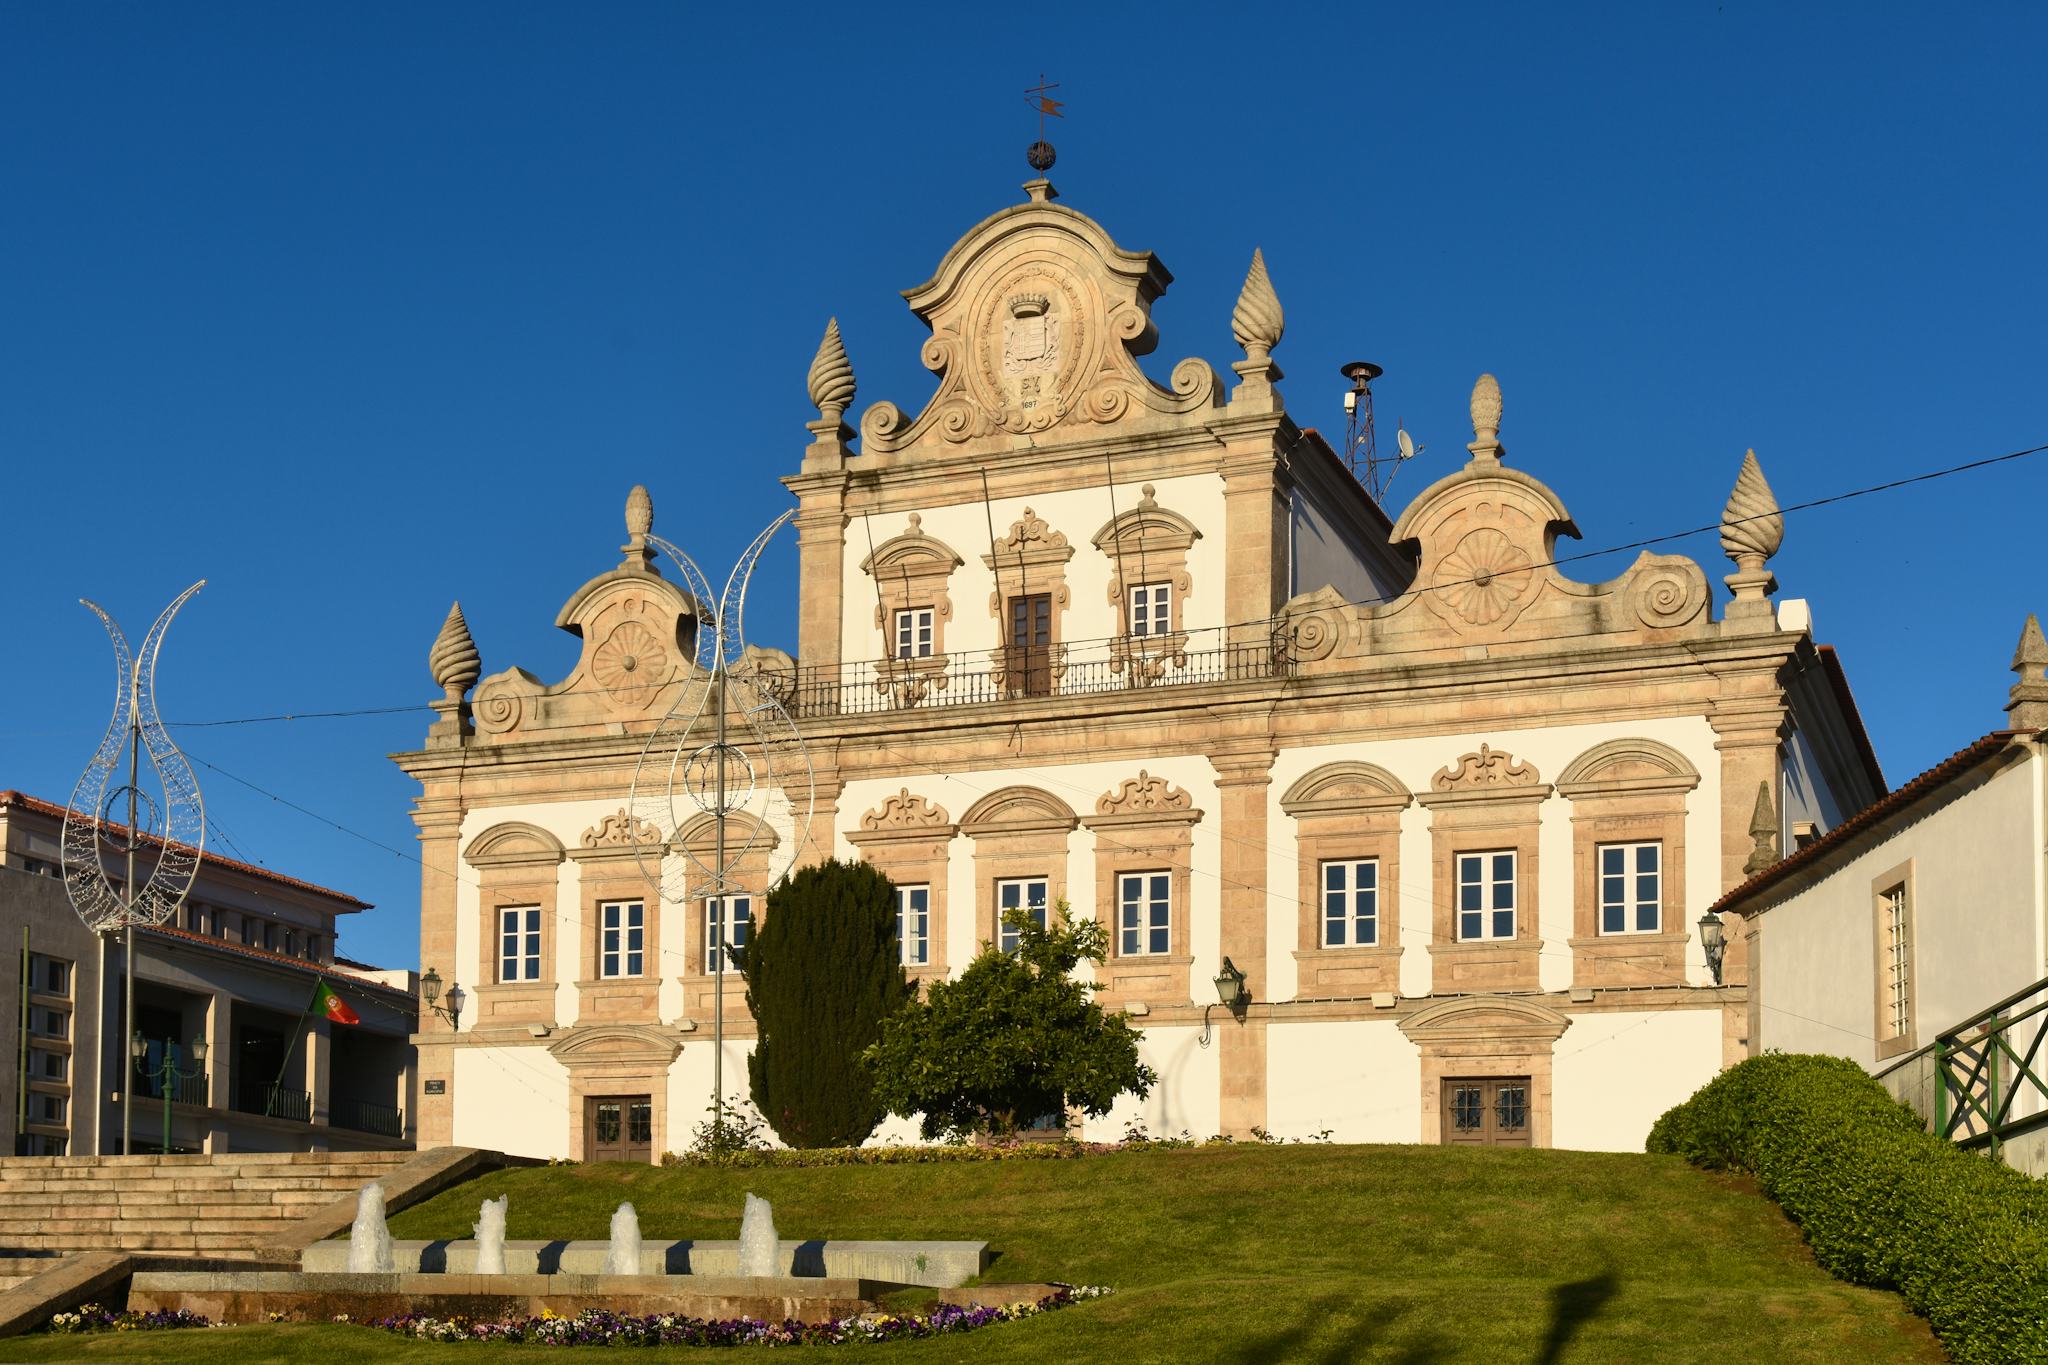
[{"x": 1040, "y": 153}]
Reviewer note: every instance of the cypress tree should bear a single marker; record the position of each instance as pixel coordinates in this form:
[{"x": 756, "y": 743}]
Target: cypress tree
[{"x": 823, "y": 972}]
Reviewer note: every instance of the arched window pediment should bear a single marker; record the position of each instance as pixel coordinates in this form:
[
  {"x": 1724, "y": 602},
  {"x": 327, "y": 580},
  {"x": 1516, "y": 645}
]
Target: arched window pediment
[
  {"x": 512, "y": 843},
  {"x": 1018, "y": 808},
  {"x": 1336, "y": 788},
  {"x": 1621, "y": 766}
]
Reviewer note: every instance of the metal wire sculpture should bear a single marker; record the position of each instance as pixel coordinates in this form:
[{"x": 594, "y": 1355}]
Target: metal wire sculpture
[
  {"x": 727, "y": 747},
  {"x": 91, "y": 832}
]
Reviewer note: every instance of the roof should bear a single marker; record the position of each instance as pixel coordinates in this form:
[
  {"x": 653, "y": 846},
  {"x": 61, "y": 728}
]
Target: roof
[
  {"x": 1838, "y": 682},
  {"x": 276, "y": 959},
  {"x": 206, "y": 860},
  {"x": 1994, "y": 746}
]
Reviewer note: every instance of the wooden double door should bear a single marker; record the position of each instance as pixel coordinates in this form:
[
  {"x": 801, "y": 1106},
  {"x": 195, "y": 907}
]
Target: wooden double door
[
  {"x": 1487, "y": 1111},
  {"x": 618, "y": 1128}
]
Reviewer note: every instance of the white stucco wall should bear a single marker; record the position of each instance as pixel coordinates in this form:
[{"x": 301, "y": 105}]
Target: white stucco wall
[
  {"x": 1360, "y": 1080},
  {"x": 511, "y": 1099},
  {"x": 1614, "y": 1074},
  {"x": 1977, "y": 924},
  {"x": 1187, "y": 1097}
]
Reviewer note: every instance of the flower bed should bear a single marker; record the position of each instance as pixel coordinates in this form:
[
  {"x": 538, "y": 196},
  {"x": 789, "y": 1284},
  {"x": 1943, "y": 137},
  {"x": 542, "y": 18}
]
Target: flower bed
[
  {"x": 596, "y": 1328},
  {"x": 93, "y": 1318},
  {"x": 1058, "y": 1149}
]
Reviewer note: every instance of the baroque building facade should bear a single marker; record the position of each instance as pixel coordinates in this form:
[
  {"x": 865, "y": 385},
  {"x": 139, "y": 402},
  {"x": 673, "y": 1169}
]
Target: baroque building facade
[{"x": 1071, "y": 635}]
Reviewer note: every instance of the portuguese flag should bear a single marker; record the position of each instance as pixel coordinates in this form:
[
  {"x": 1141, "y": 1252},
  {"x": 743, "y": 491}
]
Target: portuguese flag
[{"x": 330, "y": 1006}]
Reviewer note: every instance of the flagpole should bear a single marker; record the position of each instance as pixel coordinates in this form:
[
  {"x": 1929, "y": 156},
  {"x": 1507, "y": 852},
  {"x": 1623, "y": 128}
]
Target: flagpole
[{"x": 270, "y": 1100}]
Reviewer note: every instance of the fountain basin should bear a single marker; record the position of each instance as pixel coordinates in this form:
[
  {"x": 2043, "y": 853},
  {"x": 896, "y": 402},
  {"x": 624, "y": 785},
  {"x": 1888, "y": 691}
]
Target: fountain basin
[
  {"x": 252, "y": 1295},
  {"x": 929, "y": 1264}
]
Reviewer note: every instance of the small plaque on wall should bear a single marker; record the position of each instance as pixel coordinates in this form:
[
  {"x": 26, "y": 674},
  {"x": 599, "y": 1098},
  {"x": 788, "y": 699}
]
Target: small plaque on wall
[{"x": 437, "y": 1087}]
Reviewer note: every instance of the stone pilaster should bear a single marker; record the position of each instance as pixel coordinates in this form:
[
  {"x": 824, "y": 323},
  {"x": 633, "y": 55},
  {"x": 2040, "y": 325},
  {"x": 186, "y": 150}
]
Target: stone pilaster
[
  {"x": 1750, "y": 724},
  {"x": 439, "y": 819},
  {"x": 1244, "y": 783},
  {"x": 821, "y": 553},
  {"x": 1256, "y": 508}
]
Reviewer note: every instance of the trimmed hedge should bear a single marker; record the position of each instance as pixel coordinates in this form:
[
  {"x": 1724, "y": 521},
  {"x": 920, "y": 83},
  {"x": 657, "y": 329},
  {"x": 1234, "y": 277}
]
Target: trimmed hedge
[{"x": 1882, "y": 1202}]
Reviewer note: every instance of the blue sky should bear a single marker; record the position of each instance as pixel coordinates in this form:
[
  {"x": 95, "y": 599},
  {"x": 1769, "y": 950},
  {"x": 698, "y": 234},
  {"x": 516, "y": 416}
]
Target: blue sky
[{"x": 356, "y": 309}]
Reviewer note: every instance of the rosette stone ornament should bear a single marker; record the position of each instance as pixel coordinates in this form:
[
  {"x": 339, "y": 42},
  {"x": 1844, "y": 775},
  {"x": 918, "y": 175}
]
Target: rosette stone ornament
[
  {"x": 1258, "y": 324},
  {"x": 456, "y": 665},
  {"x": 1752, "y": 529}
]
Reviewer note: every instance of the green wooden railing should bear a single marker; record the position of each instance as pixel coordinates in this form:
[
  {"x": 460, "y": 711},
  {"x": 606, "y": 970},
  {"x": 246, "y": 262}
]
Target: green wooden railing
[{"x": 1990, "y": 1075}]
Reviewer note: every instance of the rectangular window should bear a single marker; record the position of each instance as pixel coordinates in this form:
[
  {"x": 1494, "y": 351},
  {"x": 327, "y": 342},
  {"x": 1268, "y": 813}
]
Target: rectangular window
[
  {"x": 1144, "y": 913},
  {"x": 1151, "y": 609},
  {"x": 55, "y": 1065},
  {"x": 1486, "y": 896},
  {"x": 53, "y": 1108},
  {"x": 248, "y": 932},
  {"x": 270, "y": 935},
  {"x": 194, "y": 918},
  {"x": 518, "y": 943},
  {"x": 1029, "y": 894},
  {"x": 50, "y": 975},
  {"x": 725, "y": 942},
  {"x": 1631, "y": 888},
  {"x": 914, "y": 924},
  {"x": 1351, "y": 903},
  {"x": 1029, "y": 665},
  {"x": 623, "y": 943},
  {"x": 53, "y": 1023},
  {"x": 914, "y": 633},
  {"x": 1893, "y": 929}
]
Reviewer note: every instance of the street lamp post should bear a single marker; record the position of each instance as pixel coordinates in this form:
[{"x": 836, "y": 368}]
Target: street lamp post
[{"x": 166, "y": 1073}]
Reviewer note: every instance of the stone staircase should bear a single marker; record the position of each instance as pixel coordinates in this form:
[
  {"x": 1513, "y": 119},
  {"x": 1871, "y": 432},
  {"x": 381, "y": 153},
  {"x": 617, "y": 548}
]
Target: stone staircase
[{"x": 224, "y": 1206}]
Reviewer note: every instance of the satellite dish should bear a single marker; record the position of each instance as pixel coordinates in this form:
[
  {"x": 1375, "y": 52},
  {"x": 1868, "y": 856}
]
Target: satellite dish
[{"x": 1409, "y": 450}]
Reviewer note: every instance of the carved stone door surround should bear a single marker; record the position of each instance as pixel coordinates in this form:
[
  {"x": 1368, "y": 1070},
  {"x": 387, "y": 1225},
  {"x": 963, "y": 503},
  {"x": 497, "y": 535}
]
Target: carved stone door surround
[{"x": 1486, "y": 1036}]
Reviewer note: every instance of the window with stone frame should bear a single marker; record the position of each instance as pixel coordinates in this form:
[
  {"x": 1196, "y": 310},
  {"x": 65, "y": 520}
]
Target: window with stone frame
[
  {"x": 1152, "y": 609},
  {"x": 519, "y": 943},
  {"x": 1628, "y": 819},
  {"x": 622, "y": 939},
  {"x": 1149, "y": 583},
  {"x": 728, "y": 928},
  {"x": 1894, "y": 937},
  {"x": 618, "y": 862},
  {"x": 750, "y": 847},
  {"x": 517, "y": 867},
  {"x": 913, "y": 575},
  {"x": 1032, "y": 895},
  {"x": 1029, "y": 604},
  {"x": 908, "y": 840},
  {"x": 1144, "y": 851},
  {"x": 1347, "y": 819},
  {"x": 1485, "y": 818},
  {"x": 1019, "y": 835}
]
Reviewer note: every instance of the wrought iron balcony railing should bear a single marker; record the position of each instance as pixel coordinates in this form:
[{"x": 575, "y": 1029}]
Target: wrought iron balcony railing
[
  {"x": 364, "y": 1117},
  {"x": 274, "y": 1101},
  {"x": 1023, "y": 672},
  {"x": 184, "y": 1089}
]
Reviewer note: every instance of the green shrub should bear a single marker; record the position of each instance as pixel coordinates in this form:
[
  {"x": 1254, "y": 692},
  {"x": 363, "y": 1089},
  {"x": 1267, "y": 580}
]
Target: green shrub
[{"x": 1882, "y": 1202}]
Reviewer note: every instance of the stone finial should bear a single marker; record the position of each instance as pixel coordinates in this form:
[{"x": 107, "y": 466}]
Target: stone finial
[
  {"x": 831, "y": 380},
  {"x": 2027, "y": 708},
  {"x": 456, "y": 666},
  {"x": 1258, "y": 324},
  {"x": 1485, "y": 444},
  {"x": 1752, "y": 529},
  {"x": 639, "y": 521},
  {"x": 1763, "y": 833}
]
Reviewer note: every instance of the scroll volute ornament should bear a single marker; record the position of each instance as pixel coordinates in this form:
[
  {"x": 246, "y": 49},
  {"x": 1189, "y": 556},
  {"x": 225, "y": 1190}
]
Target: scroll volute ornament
[
  {"x": 621, "y": 830},
  {"x": 904, "y": 811},
  {"x": 1483, "y": 770},
  {"x": 1143, "y": 795}
]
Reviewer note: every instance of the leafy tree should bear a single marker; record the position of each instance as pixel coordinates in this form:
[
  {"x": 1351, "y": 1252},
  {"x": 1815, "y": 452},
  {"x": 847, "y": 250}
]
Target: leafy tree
[
  {"x": 823, "y": 972},
  {"x": 1016, "y": 1037}
]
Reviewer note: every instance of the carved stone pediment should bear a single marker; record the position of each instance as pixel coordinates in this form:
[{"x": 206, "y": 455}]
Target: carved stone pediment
[
  {"x": 1018, "y": 810},
  {"x": 904, "y": 811},
  {"x": 1037, "y": 321},
  {"x": 1486, "y": 1019},
  {"x": 512, "y": 844},
  {"x": 1144, "y": 795},
  {"x": 1485, "y": 770},
  {"x": 626, "y": 1046},
  {"x": 621, "y": 830},
  {"x": 1344, "y": 788}
]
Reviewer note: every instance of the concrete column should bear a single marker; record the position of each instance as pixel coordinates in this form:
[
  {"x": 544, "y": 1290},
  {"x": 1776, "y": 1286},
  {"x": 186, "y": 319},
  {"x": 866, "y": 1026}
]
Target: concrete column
[
  {"x": 220, "y": 1053},
  {"x": 409, "y": 1095},
  {"x": 1244, "y": 782},
  {"x": 319, "y": 1066}
]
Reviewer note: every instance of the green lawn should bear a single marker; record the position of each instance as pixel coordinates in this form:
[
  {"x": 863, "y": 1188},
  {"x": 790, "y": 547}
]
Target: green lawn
[{"x": 1237, "y": 1254}]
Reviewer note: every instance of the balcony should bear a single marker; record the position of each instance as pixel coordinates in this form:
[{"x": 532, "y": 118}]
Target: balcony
[
  {"x": 184, "y": 1089},
  {"x": 274, "y": 1101},
  {"x": 1020, "y": 672},
  {"x": 364, "y": 1117}
]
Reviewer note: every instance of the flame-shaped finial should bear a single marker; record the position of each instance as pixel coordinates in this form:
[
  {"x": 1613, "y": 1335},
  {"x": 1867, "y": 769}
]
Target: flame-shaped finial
[
  {"x": 2027, "y": 708},
  {"x": 639, "y": 512},
  {"x": 453, "y": 660},
  {"x": 1257, "y": 322},
  {"x": 1763, "y": 833},
  {"x": 1752, "y": 527},
  {"x": 832, "y": 386}
]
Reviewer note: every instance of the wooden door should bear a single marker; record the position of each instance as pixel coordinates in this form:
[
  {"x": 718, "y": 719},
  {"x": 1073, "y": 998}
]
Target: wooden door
[
  {"x": 618, "y": 1128},
  {"x": 1487, "y": 1111},
  {"x": 1030, "y": 663}
]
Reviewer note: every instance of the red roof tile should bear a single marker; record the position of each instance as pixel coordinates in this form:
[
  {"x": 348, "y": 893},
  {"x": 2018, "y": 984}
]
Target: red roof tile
[{"x": 276, "y": 959}]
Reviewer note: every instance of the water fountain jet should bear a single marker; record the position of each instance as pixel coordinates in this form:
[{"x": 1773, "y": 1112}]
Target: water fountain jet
[
  {"x": 758, "y": 1243},
  {"x": 490, "y": 1236},
  {"x": 369, "y": 1239},
  {"x": 622, "y": 1257}
]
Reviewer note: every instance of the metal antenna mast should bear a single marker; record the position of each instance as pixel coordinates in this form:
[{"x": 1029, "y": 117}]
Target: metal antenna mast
[
  {"x": 1361, "y": 443},
  {"x": 1040, "y": 153},
  {"x": 743, "y": 773},
  {"x": 89, "y": 836}
]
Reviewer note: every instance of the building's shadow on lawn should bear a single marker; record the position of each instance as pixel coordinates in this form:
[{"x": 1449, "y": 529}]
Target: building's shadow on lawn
[
  {"x": 1357, "y": 1333},
  {"x": 1571, "y": 1305}
]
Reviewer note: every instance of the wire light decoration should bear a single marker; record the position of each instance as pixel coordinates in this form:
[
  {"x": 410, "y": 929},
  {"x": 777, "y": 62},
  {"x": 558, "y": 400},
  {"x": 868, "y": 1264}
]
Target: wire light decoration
[
  {"x": 174, "y": 828},
  {"x": 728, "y": 746}
]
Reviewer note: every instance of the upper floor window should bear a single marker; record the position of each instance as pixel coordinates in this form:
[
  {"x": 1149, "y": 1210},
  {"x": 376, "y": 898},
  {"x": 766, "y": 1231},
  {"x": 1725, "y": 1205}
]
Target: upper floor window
[
  {"x": 270, "y": 935},
  {"x": 53, "y": 1023},
  {"x": 1631, "y": 888},
  {"x": 1486, "y": 896},
  {"x": 914, "y": 924},
  {"x": 1144, "y": 913},
  {"x": 518, "y": 943},
  {"x": 726, "y": 936},
  {"x": 1029, "y": 894},
  {"x": 1028, "y": 661},
  {"x": 1351, "y": 903},
  {"x": 194, "y": 917},
  {"x": 1895, "y": 953},
  {"x": 312, "y": 947},
  {"x": 1152, "y": 609},
  {"x": 914, "y": 633},
  {"x": 248, "y": 932},
  {"x": 622, "y": 944},
  {"x": 51, "y": 976}
]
